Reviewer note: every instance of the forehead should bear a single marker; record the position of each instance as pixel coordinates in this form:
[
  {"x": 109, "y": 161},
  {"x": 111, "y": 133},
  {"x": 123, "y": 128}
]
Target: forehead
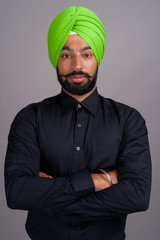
[{"x": 75, "y": 42}]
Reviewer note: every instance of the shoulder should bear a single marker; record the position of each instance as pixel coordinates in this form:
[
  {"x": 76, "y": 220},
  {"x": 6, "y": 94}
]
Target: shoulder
[
  {"x": 127, "y": 115},
  {"x": 31, "y": 111}
]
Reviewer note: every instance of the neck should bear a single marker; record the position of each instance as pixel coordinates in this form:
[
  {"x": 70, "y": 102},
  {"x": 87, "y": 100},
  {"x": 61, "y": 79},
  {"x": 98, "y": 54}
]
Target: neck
[{"x": 80, "y": 98}]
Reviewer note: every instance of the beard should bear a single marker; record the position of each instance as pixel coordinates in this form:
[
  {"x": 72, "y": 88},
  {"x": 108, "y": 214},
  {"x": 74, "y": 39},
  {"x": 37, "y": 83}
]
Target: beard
[{"x": 78, "y": 88}]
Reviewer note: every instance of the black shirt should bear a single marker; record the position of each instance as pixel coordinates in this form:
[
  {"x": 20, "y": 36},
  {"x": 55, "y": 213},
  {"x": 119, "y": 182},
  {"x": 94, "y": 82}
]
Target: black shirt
[{"x": 69, "y": 140}]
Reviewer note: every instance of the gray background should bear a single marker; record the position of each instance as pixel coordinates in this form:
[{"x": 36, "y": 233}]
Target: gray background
[{"x": 129, "y": 73}]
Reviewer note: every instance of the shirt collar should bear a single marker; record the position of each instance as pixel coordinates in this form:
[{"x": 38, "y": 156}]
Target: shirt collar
[{"x": 90, "y": 103}]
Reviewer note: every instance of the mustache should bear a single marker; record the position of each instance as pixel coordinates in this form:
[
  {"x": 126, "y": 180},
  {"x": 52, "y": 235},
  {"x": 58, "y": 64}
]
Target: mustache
[{"x": 77, "y": 73}]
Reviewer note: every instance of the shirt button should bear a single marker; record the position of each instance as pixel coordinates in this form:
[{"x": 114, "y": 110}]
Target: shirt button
[
  {"x": 79, "y": 125},
  {"x": 78, "y": 148},
  {"x": 79, "y": 105}
]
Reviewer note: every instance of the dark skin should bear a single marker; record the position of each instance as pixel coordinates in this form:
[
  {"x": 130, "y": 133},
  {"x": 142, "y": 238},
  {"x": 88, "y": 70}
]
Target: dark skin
[{"x": 75, "y": 56}]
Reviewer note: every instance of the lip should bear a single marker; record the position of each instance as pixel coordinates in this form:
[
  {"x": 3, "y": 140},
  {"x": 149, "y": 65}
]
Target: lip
[{"x": 77, "y": 78}]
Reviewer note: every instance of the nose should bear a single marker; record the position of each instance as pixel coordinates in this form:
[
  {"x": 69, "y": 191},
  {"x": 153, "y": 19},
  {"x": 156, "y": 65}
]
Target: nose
[{"x": 77, "y": 63}]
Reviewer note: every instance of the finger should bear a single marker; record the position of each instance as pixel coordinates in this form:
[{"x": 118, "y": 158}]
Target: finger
[{"x": 42, "y": 174}]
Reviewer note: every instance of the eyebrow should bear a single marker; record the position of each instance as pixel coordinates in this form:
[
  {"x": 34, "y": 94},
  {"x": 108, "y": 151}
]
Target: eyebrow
[{"x": 71, "y": 49}]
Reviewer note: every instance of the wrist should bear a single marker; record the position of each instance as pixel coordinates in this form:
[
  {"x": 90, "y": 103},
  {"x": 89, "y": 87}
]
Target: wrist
[
  {"x": 108, "y": 176},
  {"x": 100, "y": 181}
]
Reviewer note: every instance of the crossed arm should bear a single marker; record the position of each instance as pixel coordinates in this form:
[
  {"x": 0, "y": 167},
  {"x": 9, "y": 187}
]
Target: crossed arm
[
  {"x": 28, "y": 189},
  {"x": 100, "y": 180}
]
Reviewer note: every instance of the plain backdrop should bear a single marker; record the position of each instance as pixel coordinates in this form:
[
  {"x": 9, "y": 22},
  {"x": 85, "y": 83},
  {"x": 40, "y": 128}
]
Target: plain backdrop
[{"x": 129, "y": 73}]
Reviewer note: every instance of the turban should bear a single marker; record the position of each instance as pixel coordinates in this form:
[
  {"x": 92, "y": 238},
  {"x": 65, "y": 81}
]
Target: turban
[{"x": 82, "y": 21}]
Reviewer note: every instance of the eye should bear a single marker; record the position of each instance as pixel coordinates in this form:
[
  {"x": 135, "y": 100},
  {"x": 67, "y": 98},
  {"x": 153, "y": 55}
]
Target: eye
[
  {"x": 65, "y": 56},
  {"x": 87, "y": 55}
]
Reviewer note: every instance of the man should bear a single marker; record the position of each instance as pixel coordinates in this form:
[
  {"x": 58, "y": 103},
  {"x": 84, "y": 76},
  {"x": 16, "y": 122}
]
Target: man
[{"x": 78, "y": 162}]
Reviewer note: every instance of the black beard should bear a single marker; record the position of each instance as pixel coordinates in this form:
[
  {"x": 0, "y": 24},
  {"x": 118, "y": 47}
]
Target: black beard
[{"x": 78, "y": 88}]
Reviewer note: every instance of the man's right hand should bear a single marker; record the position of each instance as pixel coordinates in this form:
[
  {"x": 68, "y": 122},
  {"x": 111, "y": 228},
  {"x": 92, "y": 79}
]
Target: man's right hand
[{"x": 101, "y": 181}]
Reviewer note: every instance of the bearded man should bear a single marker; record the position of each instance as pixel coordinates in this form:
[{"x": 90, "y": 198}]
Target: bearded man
[{"x": 78, "y": 162}]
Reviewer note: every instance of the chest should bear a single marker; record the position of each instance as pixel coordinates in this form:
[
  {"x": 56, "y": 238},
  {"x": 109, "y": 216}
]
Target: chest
[{"x": 75, "y": 141}]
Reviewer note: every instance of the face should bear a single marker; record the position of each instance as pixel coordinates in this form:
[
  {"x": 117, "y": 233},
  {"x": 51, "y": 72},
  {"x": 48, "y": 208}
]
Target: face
[{"x": 77, "y": 66}]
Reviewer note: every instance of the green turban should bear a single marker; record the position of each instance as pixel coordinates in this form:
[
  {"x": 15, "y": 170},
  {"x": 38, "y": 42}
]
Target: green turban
[{"x": 82, "y": 21}]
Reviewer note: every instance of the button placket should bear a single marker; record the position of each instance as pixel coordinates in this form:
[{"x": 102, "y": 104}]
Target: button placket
[
  {"x": 78, "y": 148},
  {"x": 79, "y": 125},
  {"x": 78, "y": 137}
]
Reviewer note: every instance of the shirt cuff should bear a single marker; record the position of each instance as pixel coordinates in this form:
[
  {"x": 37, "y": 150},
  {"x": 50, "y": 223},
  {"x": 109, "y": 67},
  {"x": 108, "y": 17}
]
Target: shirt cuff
[{"x": 82, "y": 182}]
